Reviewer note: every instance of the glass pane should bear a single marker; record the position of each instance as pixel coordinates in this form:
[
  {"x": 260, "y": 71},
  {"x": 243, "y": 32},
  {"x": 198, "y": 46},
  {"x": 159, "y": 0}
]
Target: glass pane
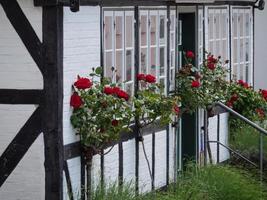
[
  {"x": 119, "y": 32},
  {"x": 162, "y": 61},
  {"x": 211, "y": 49},
  {"x": 162, "y": 28},
  {"x": 129, "y": 31},
  {"x": 172, "y": 41},
  {"x": 241, "y": 24},
  {"x": 224, "y": 25},
  {"x": 218, "y": 51},
  {"x": 108, "y": 32},
  {"x": 172, "y": 59},
  {"x": 247, "y": 45},
  {"x": 241, "y": 72},
  {"x": 143, "y": 30},
  {"x": 172, "y": 22},
  {"x": 247, "y": 25},
  {"x": 235, "y": 71},
  {"x": 211, "y": 21},
  {"x": 162, "y": 81},
  {"x": 217, "y": 26},
  {"x": 241, "y": 50},
  {"x": 153, "y": 29},
  {"x": 129, "y": 56},
  {"x": 143, "y": 58},
  {"x": 119, "y": 66},
  {"x": 247, "y": 71},
  {"x": 235, "y": 24},
  {"x": 108, "y": 64},
  {"x": 224, "y": 50},
  {"x": 235, "y": 50},
  {"x": 153, "y": 61}
]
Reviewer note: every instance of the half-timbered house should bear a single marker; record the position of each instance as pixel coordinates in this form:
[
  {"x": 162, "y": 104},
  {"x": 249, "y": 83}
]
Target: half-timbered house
[{"x": 45, "y": 44}]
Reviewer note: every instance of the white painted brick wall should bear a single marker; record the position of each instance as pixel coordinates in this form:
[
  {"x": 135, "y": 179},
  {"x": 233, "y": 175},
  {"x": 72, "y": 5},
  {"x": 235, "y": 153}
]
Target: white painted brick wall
[{"x": 18, "y": 71}]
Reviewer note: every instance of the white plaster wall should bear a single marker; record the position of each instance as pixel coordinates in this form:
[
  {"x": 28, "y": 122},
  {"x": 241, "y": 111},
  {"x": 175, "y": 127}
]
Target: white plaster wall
[
  {"x": 19, "y": 71},
  {"x": 81, "y": 53},
  {"x": 260, "y": 48}
]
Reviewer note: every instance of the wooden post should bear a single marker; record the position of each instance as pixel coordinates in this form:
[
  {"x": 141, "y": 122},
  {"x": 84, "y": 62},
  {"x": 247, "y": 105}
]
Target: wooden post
[{"x": 52, "y": 109}]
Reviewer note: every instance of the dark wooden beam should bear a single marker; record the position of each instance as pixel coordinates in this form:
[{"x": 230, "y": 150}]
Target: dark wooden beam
[
  {"x": 10, "y": 96},
  {"x": 68, "y": 180},
  {"x": 24, "y": 29},
  {"x": 53, "y": 101},
  {"x": 20, "y": 145}
]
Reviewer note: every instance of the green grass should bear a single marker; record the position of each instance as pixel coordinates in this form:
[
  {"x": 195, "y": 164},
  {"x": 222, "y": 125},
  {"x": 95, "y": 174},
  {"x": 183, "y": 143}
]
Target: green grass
[{"x": 209, "y": 183}]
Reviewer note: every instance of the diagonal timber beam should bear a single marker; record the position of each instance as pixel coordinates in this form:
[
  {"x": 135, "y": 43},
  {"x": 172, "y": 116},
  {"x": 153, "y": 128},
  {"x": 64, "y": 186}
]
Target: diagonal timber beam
[
  {"x": 12, "y": 96},
  {"x": 20, "y": 145},
  {"x": 24, "y": 29}
]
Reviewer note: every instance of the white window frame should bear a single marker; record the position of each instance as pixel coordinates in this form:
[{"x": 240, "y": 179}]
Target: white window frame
[{"x": 246, "y": 74}]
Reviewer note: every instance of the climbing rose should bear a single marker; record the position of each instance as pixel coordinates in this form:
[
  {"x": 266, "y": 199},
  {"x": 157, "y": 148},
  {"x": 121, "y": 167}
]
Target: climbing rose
[
  {"x": 115, "y": 122},
  {"x": 195, "y": 84},
  {"x": 264, "y": 94},
  {"x": 243, "y": 84},
  {"x": 83, "y": 83},
  {"x": 141, "y": 77},
  {"x": 176, "y": 109},
  {"x": 108, "y": 90},
  {"x": 234, "y": 98},
  {"x": 211, "y": 66},
  {"x": 190, "y": 54},
  {"x": 260, "y": 112},
  {"x": 150, "y": 78},
  {"x": 211, "y": 59},
  {"x": 76, "y": 101},
  {"x": 115, "y": 90},
  {"x": 122, "y": 94}
]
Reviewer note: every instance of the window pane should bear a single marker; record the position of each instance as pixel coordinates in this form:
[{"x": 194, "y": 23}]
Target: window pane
[
  {"x": 247, "y": 50},
  {"x": 143, "y": 60},
  {"x": 211, "y": 21},
  {"x": 172, "y": 59},
  {"x": 162, "y": 29},
  {"x": 119, "y": 66},
  {"x": 217, "y": 26},
  {"x": 235, "y": 20},
  {"x": 241, "y": 50},
  {"x": 129, "y": 31},
  {"x": 235, "y": 50},
  {"x": 129, "y": 56},
  {"x": 172, "y": 40},
  {"x": 241, "y": 24},
  {"x": 153, "y": 61},
  {"x": 162, "y": 61},
  {"x": 153, "y": 29},
  {"x": 143, "y": 30},
  {"x": 241, "y": 72},
  {"x": 108, "y": 32},
  {"x": 129, "y": 88},
  {"x": 247, "y": 25},
  {"x": 224, "y": 25},
  {"x": 108, "y": 64},
  {"x": 119, "y": 30}
]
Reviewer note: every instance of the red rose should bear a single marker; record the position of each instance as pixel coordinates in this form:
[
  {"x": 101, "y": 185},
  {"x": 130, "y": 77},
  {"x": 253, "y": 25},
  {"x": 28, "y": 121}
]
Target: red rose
[
  {"x": 115, "y": 122},
  {"x": 229, "y": 104},
  {"x": 195, "y": 84},
  {"x": 150, "y": 78},
  {"x": 115, "y": 90},
  {"x": 176, "y": 109},
  {"x": 211, "y": 66},
  {"x": 123, "y": 95},
  {"x": 234, "y": 98},
  {"x": 211, "y": 59},
  {"x": 243, "y": 83},
  {"x": 76, "y": 101},
  {"x": 260, "y": 112},
  {"x": 108, "y": 90},
  {"x": 264, "y": 94},
  {"x": 83, "y": 83},
  {"x": 190, "y": 54},
  {"x": 141, "y": 77}
]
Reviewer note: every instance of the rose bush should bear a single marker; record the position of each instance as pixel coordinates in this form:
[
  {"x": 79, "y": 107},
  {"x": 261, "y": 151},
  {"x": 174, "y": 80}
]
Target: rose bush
[
  {"x": 199, "y": 88},
  {"x": 101, "y": 111},
  {"x": 151, "y": 104}
]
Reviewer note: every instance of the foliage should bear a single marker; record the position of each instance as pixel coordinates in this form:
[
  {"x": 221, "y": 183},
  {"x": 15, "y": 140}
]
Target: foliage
[
  {"x": 103, "y": 113},
  {"x": 246, "y": 101},
  {"x": 209, "y": 183},
  {"x": 199, "y": 88},
  {"x": 151, "y": 104}
]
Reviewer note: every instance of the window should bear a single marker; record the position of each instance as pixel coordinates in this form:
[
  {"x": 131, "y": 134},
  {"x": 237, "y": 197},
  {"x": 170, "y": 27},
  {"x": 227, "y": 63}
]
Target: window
[
  {"x": 173, "y": 57},
  {"x": 119, "y": 48},
  {"x": 200, "y": 36},
  {"x": 217, "y": 33},
  {"x": 242, "y": 44},
  {"x": 153, "y": 43}
]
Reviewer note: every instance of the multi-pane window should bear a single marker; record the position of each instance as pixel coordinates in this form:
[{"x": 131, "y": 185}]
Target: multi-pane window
[
  {"x": 200, "y": 36},
  {"x": 119, "y": 48},
  {"x": 242, "y": 44},
  {"x": 172, "y": 48},
  {"x": 217, "y": 33},
  {"x": 153, "y": 43}
]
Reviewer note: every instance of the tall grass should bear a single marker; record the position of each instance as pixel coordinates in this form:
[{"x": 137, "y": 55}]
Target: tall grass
[{"x": 209, "y": 183}]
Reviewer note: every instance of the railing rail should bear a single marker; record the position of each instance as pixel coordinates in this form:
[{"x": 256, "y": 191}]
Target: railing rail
[{"x": 260, "y": 130}]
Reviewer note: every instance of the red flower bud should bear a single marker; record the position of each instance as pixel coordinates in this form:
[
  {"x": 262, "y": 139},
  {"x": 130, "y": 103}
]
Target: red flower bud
[
  {"x": 141, "y": 77},
  {"x": 123, "y": 95},
  {"x": 76, "y": 101},
  {"x": 190, "y": 54},
  {"x": 234, "y": 98},
  {"x": 211, "y": 65},
  {"x": 108, "y": 90},
  {"x": 83, "y": 83},
  {"x": 176, "y": 109},
  {"x": 115, "y": 122},
  {"x": 195, "y": 84},
  {"x": 150, "y": 78}
]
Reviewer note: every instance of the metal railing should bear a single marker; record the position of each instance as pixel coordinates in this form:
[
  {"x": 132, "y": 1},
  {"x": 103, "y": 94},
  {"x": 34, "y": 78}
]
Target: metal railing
[{"x": 260, "y": 130}]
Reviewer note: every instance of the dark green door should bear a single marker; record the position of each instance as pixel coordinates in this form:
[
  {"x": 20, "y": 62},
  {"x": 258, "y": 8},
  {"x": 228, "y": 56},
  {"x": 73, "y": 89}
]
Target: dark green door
[{"x": 188, "y": 121}]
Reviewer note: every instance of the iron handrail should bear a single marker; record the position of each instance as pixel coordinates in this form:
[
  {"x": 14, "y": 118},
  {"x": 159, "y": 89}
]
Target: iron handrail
[{"x": 254, "y": 125}]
